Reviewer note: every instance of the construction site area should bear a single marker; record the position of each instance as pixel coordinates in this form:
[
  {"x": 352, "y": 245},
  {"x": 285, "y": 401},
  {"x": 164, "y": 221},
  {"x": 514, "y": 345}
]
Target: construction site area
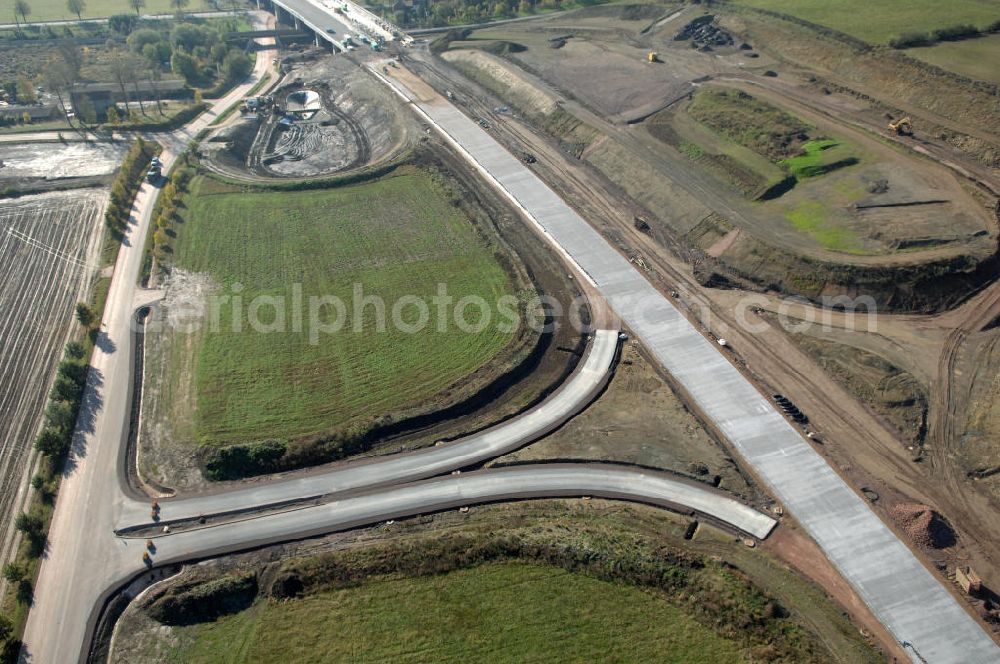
[
  {"x": 726, "y": 166},
  {"x": 325, "y": 116},
  {"x": 818, "y": 212}
]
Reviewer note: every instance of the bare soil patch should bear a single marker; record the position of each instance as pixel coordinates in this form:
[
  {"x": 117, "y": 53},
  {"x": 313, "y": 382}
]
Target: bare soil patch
[{"x": 639, "y": 420}]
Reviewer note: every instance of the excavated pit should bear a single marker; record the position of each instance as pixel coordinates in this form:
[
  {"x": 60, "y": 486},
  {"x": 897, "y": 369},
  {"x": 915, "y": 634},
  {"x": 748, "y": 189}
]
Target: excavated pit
[{"x": 327, "y": 117}]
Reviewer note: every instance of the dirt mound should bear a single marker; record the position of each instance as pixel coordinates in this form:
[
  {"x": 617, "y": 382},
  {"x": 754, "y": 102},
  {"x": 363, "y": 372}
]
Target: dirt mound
[{"x": 923, "y": 525}]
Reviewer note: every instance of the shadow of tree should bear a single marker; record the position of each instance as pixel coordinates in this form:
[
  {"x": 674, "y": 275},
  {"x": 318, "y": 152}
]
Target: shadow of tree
[{"x": 85, "y": 420}]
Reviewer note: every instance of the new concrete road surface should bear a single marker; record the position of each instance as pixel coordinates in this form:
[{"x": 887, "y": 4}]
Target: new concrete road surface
[
  {"x": 906, "y": 597},
  {"x": 577, "y": 392},
  {"x": 86, "y": 561},
  {"x": 511, "y": 483},
  {"x": 327, "y": 24},
  {"x": 113, "y": 562}
]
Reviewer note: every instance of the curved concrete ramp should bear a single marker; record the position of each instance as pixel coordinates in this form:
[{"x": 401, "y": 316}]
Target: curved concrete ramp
[
  {"x": 512, "y": 483},
  {"x": 585, "y": 383}
]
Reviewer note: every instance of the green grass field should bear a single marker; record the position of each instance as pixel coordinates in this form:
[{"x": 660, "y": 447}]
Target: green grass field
[
  {"x": 878, "y": 21},
  {"x": 56, "y": 10},
  {"x": 813, "y": 219},
  {"x": 975, "y": 58},
  {"x": 396, "y": 236},
  {"x": 499, "y": 612},
  {"x": 748, "y": 121},
  {"x": 818, "y": 157}
]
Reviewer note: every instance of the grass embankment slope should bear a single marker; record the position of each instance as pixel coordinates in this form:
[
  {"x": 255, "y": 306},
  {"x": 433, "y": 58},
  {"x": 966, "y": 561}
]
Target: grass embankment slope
[
  {"x": 543, "y": 581},
  {"x": 397, "y": 236},
  {"x": 877, "y": 22},
  {"x": 880, "y": 22},
  {"x": 503, "y": 612},
  {"x": 794, "y": 155}
]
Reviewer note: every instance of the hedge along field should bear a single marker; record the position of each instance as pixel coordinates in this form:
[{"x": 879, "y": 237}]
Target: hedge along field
[
  {"x": 395, "y": 236},
  {"x": 498, "y": 612},
  {"x": 877, "y": 22}
]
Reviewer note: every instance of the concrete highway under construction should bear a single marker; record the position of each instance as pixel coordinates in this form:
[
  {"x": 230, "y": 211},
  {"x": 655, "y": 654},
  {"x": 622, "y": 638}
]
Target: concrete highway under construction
[
  {"x": 904, "y": 595},
  {"x": 98, "y": 534}
]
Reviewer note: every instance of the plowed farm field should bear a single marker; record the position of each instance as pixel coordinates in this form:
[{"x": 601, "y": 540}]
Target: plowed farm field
[{"x": 49, "y": 246}]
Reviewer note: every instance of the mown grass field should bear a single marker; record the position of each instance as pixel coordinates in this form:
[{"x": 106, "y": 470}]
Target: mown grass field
[
  {"x": 975, "y": 58},
  {"x": 56, "y": 10},
  {"x": 398, "y": 236},
  {"x": 498, "y": 612},
  {"x": 879, "y": 21}
]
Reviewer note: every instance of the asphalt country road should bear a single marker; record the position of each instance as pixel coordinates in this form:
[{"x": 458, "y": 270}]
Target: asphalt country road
[
  {"x": 86, "y": 562},
  {"x": 90, "y": 497}
]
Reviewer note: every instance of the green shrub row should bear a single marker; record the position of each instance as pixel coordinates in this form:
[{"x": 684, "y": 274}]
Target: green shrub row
[
  {"x": 952, "y": 33},
  {"x": 242, "y": 460},
  {"x": 126, "y": 184},
  {"x": 166, "y": 214},
  {"x": 64, "y": 400},
  {"x": 187, "y": 604}
]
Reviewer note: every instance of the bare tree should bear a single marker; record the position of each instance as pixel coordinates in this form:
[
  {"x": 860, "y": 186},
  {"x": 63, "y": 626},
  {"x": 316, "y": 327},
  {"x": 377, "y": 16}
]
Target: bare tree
[
  {"x": 127, "y": 69},
  {"x": 179, "y": 5},
  {"x": 59, "y": 80},
  {"x": 72, "y": 55},
  {"x": 77, "y": 7},
  {"x": 23, "y": 8},
  {"x": 122, "y": 72},
  {"x": 137, "y": 5},
  {"x": 136, "y": 65},
  {"x": 155, "y": 73}
]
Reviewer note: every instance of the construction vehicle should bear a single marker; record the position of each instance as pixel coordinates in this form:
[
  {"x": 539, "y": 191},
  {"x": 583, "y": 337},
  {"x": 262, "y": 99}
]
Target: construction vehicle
[
  {"x": 902, "y": 127},
  {"x": 652, "y": 56}
]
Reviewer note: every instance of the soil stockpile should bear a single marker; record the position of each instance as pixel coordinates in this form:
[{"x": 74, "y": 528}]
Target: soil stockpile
[{"x": 923, "y": 525}]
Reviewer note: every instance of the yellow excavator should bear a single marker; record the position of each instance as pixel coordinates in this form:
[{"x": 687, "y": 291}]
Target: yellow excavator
[
  {"x": 652, "y": 56},
  {"x": 902, "y": 127}
]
